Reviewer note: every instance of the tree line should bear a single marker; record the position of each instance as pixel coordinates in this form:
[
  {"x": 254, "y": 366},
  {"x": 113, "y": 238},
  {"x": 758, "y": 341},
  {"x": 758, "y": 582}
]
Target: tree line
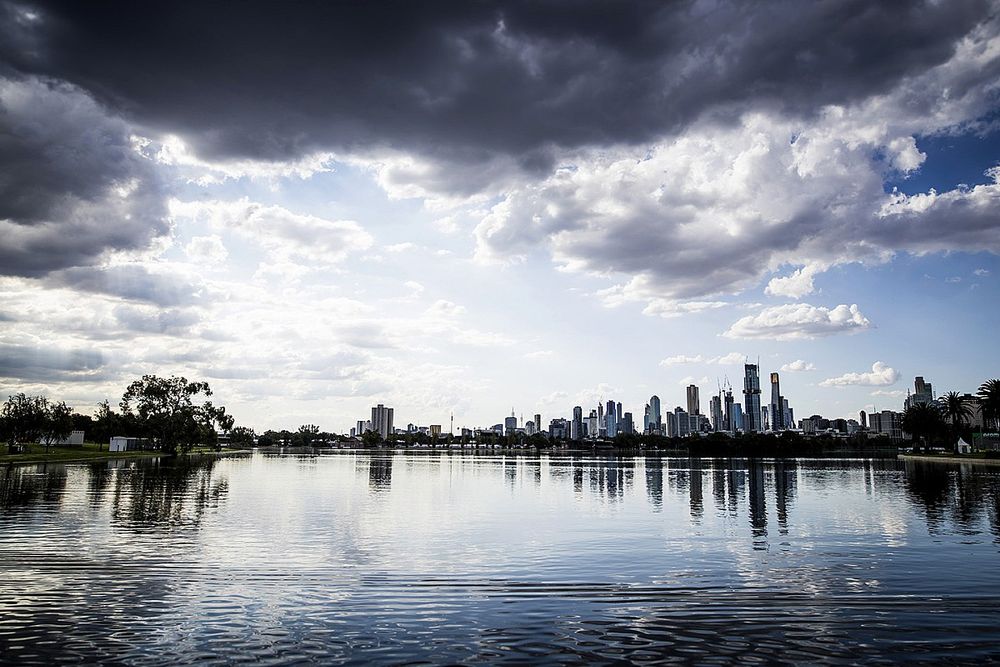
[{"x": 172, "y": 414}]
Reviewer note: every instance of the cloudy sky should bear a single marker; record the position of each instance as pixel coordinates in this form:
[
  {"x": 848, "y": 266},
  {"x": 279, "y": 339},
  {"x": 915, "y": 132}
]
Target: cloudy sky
[{"x": 467, "y": 207}]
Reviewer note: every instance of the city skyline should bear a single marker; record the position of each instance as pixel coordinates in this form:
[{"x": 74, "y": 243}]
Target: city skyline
[{"x": 412, "y": 219}]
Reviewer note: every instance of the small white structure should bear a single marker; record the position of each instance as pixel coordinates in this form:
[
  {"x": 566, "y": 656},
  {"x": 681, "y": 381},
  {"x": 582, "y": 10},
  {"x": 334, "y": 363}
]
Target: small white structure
[
  {"x": 75, "y": 438},
  {"x": 120, "y": 443},
  {"x": 962, "y": 447}
]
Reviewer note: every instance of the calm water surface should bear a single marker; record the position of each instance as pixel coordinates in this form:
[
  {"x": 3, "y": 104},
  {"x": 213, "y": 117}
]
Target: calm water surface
[{"x": 395, "y": 558}]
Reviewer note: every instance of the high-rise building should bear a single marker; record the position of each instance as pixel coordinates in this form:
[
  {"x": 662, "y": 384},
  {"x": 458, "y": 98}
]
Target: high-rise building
[
  {"x": 863, "y": 419},
  {"x": 738, "y": 421},
  {"x": 592, "y": 425},
  {"x": 576, "y": 426},
  {"x": 655, "y": 418},
  {"x": 627, "y": 426},
  {"x": 645, "y": 419},
  {"x": 729, "y": 413},
  {"x": 538, "y": 423},
  {"x": 682, "y": 419},
  {"x": 382, "y": 421},
  {"x": 693, "y": 404},
  {"x": 923, "y": 393},
  {"x": 786, "y": 414},
  {"x": 510, "y": 423},
  {"x": 611, "y": 417},
  {"x": 618, "y": 411},
  {"x": 777, "y": 409},
  {"x": 751, "y": 399},
  {"x": 715, "y": 408}
]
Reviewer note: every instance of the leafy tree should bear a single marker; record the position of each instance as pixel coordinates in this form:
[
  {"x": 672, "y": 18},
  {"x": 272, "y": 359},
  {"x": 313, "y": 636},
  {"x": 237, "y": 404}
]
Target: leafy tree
[
  {"x": 22, "y": 419},
  {"x": 106, "y": 424},
  {"x": 923, "y": 422},
  {"x": 306, "y": 435},
  {"x": 371, "y": 439},
  {"x": 955, "y": 410},
  {"x": 165, "y": 410},
  {"x": 989, "y": 395},
  {"x": 57, "y": 422},
  {"x": 242, "y": 436}
]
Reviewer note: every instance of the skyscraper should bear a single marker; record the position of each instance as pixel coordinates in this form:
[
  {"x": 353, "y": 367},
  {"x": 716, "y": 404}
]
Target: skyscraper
[
  {"x": 693, "y": 403},
  {"x": 538, "y": 423},
  {"x": 510, "y": 423},
  {"x": 611, "y": 419},
  {"x": 729, "y": 415},
  {"x": 655, "y": 417},
  {"x": 751, "y": 399},
  {"x": 382, "y": 421},
  {"x": 777, "y": 410},
  {"x": 715, "y": 408},
  {"x": 576, "y": 426}
]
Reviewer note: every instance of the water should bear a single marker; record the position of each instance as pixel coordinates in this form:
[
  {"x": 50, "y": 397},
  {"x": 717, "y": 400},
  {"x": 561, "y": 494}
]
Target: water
[{"x": 396, "y": 558}]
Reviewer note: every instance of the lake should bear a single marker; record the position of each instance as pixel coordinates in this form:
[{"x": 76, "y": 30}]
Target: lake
[{"x": 388, "y": 558}]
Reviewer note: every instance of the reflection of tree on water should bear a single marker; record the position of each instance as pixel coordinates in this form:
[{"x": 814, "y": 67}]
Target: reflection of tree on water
[
  {"x": 380, "y": 473},
  {"x": 954, "y": 492},
  {"x": 26, "y": 485},
  {"x": 166, "y": 493}
]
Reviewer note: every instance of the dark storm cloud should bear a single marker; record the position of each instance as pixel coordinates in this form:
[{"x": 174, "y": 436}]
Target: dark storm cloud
[
  {"x": 465, "y": 81},
  {"x": 33, "y": 363},
  {"x": 133, "y": 283}
]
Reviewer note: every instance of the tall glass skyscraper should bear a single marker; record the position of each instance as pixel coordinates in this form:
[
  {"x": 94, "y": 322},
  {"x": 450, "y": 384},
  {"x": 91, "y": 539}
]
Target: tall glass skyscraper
[{"x": 751, "y": 399}]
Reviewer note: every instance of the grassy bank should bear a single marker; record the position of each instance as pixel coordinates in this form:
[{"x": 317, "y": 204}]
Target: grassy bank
[
  {"x": 81, "y": 453},
  {"x": 979, "y": 457}
]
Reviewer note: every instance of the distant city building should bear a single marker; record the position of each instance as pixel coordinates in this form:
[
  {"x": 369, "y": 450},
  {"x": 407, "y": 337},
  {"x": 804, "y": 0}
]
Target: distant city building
[
  {"x": 863, "y": 419},
  {"x": 529, "y": 428},
  {"x": 558, "y": 429},
  {"x": 751, "y": 399},
  {"x": 435, "y": 430},
  {"x": 923, "y": 393},
  {"x": 729, "y": 412},
  {"x": 538, "y": 423},
  {"x": 715, "y": 409},
  {"x": 510, "y": 423},
  {"x": 591, "y": 426},
  {"x": 693, "y": 402},
  {"x": 738, "y": 422},
  {"x": 655, "y": 417},
  {"x": 887, "y": 423},
  {"x": 611, "y": 420},
  {"x": 382, "y": 421},
  {"x": 627, "y": 426},
  {"x": 576, "y": 426},
  {"x": 681, "y": 422},
  {"x": 779, "y": 421}
]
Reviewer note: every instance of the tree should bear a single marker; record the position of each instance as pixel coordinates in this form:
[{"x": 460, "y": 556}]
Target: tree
[
  {"x": 306, "y": 435},
  {"x": 57, "y": 422},
  {"x": 989, "y": 395},
  {"x": 371, "y": 439},
  {"x": 242, "y": 436},
  {"x": 955, "y": 409},
  {"x": 923, "y": 422},
  {"x": 22, "y": 419},
  {"x": 106, "y": 424},
  {"x": 165, "y": 410}
]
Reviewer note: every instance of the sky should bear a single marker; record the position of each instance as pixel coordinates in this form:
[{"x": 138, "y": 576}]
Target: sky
[{"x": 468, "y": 208}]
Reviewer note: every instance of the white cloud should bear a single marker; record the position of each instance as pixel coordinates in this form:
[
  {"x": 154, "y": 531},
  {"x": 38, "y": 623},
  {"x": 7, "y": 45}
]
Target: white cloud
[
  {"x": 798, "y": 366},
  {"x": 796, "y": 285},
  {"x": 801, "y": 320},
  {"x": 893, "y": 393},
  {"x": 982, "y": 273},
  {"x": 881, "y": 375},
  {"x": 731, "y": 359},
  {"x": 207, "y": 248}
]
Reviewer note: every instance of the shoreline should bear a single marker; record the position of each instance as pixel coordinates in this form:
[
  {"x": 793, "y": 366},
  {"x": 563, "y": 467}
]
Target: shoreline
[
  {"x": 948, "y": 459},
  {"x": 118, "y": 456}
]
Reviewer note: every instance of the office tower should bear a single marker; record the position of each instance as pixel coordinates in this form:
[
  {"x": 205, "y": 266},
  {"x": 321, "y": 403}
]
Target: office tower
[
  {"x": 923, "y": 393},
  {"x": 593, "y": 427},
  {"x": 751, "y": 399},
  {"x": 610, "y": 416},
  {"x": 576, "y": 426},
  {"x": 693, "y": 403},
  {"x": 361, "y": 427},
  {"x": 786, "y": 414},
  {"x": 729, "y": 414},
  {"x": 529, "y": 427},
  {"x": 683, "y": 422},
  {"x": 538, "y": 423},
  {"x": 618, "y": 412},
  {"x": 645, "y": 420},
  {"x": 382, "y": 421},
  {"x": 627, "y": 426},
  {"x": 715, "y": 408},
  {"x": 863, "y": 419},
  {"x": 765, "y": 421},
  {"x": 777, "y": 405},
  {"x": 655, "y": 418},
  {"x": 510, "y": 423},
  {"x": 738, "y": 421}
]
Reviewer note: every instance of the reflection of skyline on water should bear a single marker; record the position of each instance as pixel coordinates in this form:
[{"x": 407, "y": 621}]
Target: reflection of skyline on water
[{"x": 387, "y": 552}]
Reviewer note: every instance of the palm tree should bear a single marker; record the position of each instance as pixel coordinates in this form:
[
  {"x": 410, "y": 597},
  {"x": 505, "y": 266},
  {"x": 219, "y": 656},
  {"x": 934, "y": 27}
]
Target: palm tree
[
  {"x": 989, "y": 395},
  {"x": 923, "y": 421},
  {"x": 955, "y": 409}
]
